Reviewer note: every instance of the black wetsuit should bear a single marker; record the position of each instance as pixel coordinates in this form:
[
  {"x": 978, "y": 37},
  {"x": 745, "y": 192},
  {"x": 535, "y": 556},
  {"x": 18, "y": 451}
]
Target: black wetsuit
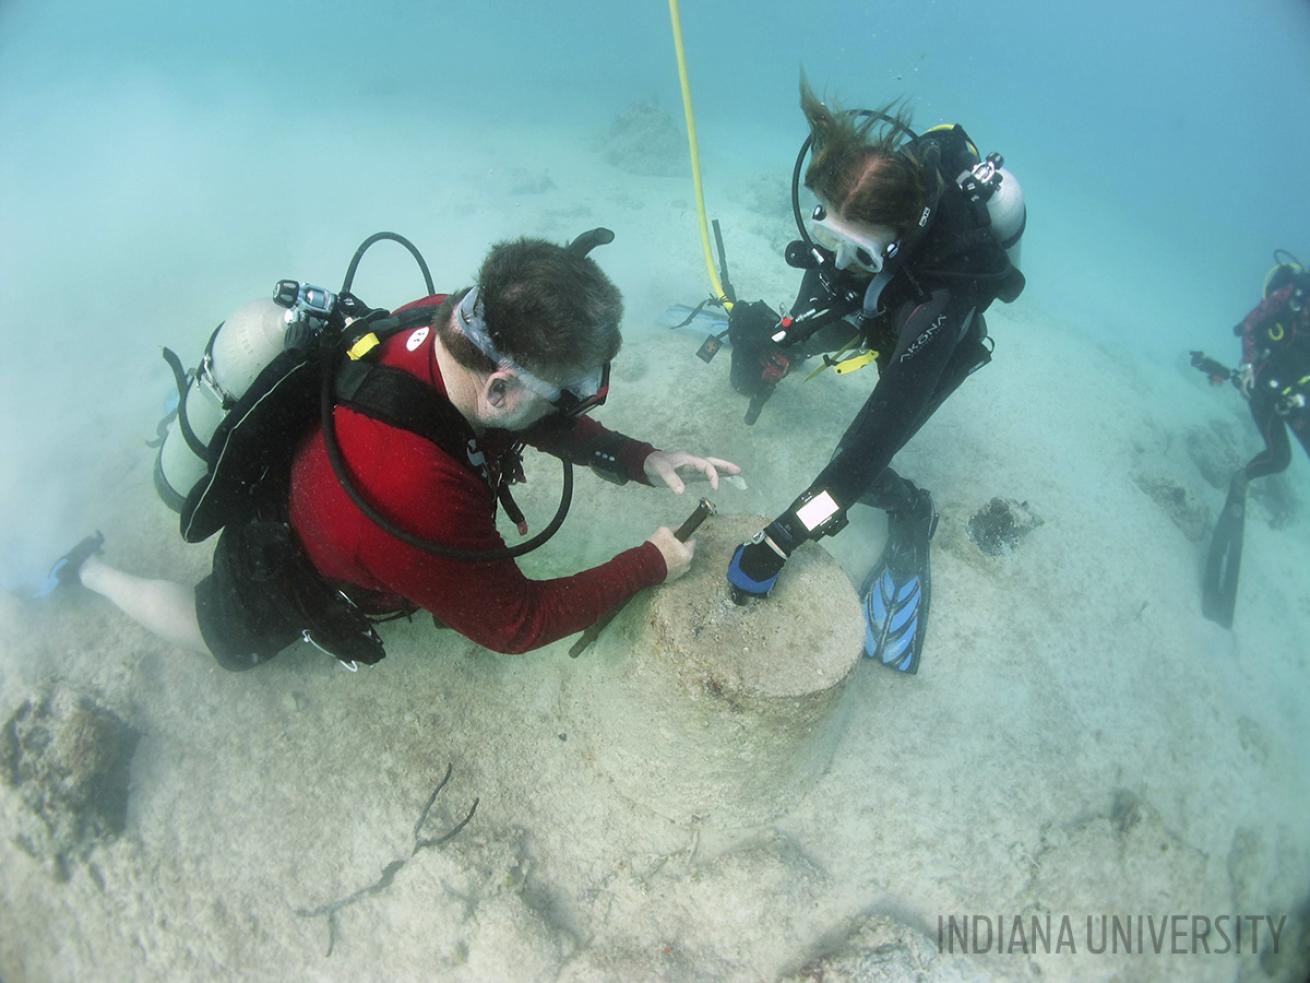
[
  {"x": 1276, "y": 342},
  {"x": 928, "y": 344},
  {"x": 1273, "y": 425},
  {"x": 930, "y": 335}
]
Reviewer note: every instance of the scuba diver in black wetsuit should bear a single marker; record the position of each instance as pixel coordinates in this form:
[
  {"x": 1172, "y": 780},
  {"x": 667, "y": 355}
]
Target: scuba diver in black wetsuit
[
  {"x": 1275, "y": 377},
  {"x": 912, "y": 238}
]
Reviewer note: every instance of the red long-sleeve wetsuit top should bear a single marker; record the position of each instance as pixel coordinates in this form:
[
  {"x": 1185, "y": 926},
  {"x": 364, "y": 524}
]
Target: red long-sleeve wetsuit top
[
  {"x": 424, "y": 490},
  {"x": 1272, "y": 324}
]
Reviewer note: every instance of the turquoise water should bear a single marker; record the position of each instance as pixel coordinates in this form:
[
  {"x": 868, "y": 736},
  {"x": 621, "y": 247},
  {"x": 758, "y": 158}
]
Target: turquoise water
[
  {"x": 162, "y": 163},
  {"x": 1159, "y": 139}
]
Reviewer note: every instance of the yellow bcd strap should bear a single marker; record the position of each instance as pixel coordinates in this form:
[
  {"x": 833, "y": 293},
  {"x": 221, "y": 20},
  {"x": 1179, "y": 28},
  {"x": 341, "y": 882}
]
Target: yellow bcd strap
[
  {"x": 1288, "y": 390},
  {"x": 362, "y": 347},
  {"x": 1277, "y": 332}
]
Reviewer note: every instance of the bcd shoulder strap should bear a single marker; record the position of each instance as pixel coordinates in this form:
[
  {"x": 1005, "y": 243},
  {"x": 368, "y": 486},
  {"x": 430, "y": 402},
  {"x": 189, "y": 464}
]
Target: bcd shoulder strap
[
  {"x": 399, "y": 399},
  {"x": 395, "y": 397}
]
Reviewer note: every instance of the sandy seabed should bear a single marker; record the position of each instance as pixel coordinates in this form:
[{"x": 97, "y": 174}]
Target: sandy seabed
[{"x": 1079, "y": 742}]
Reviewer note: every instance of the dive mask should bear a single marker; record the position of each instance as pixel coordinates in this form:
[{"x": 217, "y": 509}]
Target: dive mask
[
  {"x": 853, "y": 247},
  {"x": 573, "y": 398}
]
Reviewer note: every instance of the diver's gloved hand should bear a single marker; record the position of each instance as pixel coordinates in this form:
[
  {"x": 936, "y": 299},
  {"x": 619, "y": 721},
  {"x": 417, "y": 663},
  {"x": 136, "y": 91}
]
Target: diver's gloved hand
[
  {"x": 755, "y": 566},
  {"x": 1246, "y": 378}
]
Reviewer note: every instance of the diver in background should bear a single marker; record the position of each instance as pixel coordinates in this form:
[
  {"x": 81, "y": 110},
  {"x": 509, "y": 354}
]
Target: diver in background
[
  {"x": 905, "y": 251},
  {"x": 1274, "y": 375}
]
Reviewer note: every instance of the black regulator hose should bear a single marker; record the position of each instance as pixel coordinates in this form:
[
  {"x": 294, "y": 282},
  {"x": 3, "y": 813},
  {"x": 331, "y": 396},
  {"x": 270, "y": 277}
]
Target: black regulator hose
[
  {"x": 338, "y": 462},
  {"x": 378, "y": 237}
]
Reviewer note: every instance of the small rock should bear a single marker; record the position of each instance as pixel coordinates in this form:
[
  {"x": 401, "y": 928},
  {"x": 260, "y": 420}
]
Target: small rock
[
  {"x": 998, "y": 526},
  {"x": 69, "y": 760}
]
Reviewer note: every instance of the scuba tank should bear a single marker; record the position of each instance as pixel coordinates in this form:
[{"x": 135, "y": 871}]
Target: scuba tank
[
  {"x": 237, "y": 352},
  {"x": 996, "y": 186},
  {"x": 982, "y": 202},
  {"x": 1286, "y": 269}
]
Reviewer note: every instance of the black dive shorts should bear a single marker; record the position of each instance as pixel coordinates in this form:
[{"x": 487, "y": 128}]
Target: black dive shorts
[{"x": 262, "y": 595}]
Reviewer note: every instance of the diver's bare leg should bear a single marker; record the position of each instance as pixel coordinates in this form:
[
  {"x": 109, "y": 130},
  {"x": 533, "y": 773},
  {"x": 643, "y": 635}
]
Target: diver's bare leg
[{"x": 164, "y": 608}]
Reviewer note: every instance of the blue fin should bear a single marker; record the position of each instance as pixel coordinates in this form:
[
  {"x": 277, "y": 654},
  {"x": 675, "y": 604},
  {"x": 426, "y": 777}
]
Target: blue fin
[
  {"x": 895, "y": 615},
  {"x": 897, "y": 591},
  {"x": 64, "y": 571}
]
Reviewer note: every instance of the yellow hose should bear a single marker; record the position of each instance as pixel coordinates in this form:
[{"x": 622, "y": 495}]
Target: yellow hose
[{"x": 719, "y": 295}]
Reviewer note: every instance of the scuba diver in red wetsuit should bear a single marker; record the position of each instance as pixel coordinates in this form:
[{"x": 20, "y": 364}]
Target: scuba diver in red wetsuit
[
  {"x": 1274, "y": 376},
  {"x": 386, "y": 502}
]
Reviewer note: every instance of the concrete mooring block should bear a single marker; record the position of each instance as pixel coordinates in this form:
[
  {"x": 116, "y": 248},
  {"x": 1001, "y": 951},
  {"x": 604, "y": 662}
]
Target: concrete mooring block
[{"x": 713, "y": 713}]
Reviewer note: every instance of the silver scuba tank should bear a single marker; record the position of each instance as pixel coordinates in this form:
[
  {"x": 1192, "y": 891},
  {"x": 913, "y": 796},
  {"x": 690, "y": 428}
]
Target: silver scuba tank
[
  {"x": 1005, "y": 204},
  {"x": 243, "y": 345}
]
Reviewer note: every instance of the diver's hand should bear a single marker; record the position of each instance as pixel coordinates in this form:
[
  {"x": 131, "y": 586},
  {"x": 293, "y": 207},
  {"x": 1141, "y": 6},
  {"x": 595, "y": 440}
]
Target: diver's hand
[
  {"x": 671, "y": 468},
  {"x": 677, "y": 554},
  {"x": 1246, "y": 378},
  {"x": 754, "y": 568}
]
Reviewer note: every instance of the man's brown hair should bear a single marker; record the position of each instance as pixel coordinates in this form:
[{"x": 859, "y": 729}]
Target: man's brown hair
[{"x": 551, "y": 310}]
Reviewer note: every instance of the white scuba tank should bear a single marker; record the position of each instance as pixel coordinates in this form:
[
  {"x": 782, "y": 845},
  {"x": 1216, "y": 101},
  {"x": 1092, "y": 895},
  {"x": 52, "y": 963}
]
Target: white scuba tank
[
  {"x": 1005, "y": 206},
  {"x": 244, "y": 345},
  {"x": 1009, "y": 214}
]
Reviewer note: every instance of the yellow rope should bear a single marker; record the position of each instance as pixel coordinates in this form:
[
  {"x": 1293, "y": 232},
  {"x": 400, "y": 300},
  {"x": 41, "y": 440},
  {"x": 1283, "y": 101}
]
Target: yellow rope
[{"x": 719, "y": 295}]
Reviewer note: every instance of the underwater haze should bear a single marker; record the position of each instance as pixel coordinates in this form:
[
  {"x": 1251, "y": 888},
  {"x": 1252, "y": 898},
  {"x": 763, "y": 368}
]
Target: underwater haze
[
  {"x": 163, "y": 163},
  {"x": 162, "y": 160}
]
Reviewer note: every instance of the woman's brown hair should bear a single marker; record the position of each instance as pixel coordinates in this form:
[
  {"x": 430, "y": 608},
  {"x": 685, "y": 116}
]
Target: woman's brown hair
[{"x": 857, "y": 168}]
